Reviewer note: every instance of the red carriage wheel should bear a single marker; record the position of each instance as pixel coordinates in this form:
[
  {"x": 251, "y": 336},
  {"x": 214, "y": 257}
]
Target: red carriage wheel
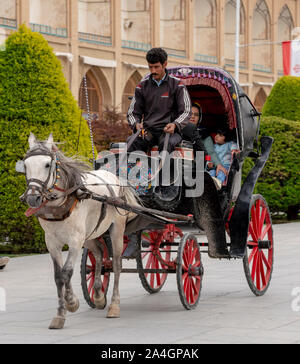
[
  {"x": 87, "y": 271},
  {"x": 153, "y": 253},
  {"x": 258, "y": 260},
  {"x": 189, "y": 271}
]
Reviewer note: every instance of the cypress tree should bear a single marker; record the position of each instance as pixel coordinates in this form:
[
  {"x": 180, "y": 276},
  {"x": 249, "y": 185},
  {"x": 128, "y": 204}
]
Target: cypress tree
[{"x": 34, "y": 97}]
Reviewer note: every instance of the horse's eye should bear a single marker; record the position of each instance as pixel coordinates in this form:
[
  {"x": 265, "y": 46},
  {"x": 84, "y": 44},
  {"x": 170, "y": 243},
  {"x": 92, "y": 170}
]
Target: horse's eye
[{"x": 47, "y": 165}]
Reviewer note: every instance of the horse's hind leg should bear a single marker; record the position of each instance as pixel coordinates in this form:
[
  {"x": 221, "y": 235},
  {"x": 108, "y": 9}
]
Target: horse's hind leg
[
  {"x": 72, "y": 302},
  {"x": 99, "y": 297}
]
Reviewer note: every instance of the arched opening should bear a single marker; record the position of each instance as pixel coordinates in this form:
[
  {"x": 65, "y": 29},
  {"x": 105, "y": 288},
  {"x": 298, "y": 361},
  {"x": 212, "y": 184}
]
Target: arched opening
[
  {"x": 93, "y": 101},
  {"x": 260, "y": 99},
  {"x": 129, "y": 91},
  {"x": 205, "y": 28},
  {"x": 262, "y": 34}
]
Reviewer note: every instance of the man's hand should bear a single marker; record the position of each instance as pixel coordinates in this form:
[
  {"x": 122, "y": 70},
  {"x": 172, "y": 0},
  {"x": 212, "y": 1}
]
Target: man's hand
[
  {"x": 139, "y": 126},
  {"x": 170, "y": 128}
]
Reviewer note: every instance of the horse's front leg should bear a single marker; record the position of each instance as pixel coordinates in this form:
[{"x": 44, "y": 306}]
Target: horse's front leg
[
  {"x": 116, "y": 235},
  {"x": 58, "y": 321}
]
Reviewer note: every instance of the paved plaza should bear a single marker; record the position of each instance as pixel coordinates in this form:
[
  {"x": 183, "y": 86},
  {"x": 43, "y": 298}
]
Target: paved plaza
[{"x": 228, "y": 312}]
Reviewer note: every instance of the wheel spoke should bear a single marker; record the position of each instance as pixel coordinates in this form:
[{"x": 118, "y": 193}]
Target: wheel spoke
[
  {"x": 264, "y": 232},
  {"x": 267, "y": 264},
  {"x": 262, "y": 272},
  {"x": 254, "y": 251},
  {"x": 262, "y": 221},
  {"x": 254, "y": 264},
  {"x": 258, "y": 271},
  {"x": 253, "y": 232}
]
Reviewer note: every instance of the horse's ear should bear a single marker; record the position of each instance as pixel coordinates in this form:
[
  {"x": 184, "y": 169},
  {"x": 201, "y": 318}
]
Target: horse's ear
[
  {"x": 32, "y": 140},
  {"x": 49, "y": 142}
]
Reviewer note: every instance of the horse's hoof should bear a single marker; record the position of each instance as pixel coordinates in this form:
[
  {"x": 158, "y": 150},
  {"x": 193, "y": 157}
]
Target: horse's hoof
[
  {"x": 74, "y": 306},
  {"x": 57, "y": 323},
  {"x": 100, "y": 303},
  {"x": 113, "y": 311}
]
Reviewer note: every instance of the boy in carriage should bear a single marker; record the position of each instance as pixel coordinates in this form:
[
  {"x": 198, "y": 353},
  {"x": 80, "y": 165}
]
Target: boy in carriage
[
  {"x": 161, "y": 104},
  {"x": 224, "y": 149}
]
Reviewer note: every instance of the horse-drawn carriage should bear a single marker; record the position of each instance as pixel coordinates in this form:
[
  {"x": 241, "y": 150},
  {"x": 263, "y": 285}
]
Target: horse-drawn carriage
[
  {"x": 169, "y": 227},
  {"x": 80, "y": 207}
]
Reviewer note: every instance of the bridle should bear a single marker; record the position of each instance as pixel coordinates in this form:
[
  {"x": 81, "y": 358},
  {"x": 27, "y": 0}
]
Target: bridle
[{"x": 41, "y": 186}]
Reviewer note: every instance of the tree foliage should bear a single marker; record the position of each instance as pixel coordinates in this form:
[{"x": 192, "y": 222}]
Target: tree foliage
[
  {"x": 284, "y": 99},
  {"x": 279, "y": 182},
  {"x": 34, "y": 97}
]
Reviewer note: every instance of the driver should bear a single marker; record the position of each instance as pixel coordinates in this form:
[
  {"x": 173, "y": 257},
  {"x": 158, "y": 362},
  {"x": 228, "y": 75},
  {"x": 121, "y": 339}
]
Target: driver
[{"x": 161, "y": 104}]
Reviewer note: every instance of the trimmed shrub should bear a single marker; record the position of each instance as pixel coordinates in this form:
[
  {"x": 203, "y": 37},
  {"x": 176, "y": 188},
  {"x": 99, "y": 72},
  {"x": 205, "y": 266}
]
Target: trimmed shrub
[
  {"x": 284, "y": 99},
  {"x": 34, "y": 97},
  {"x": 279, "y": 182}
]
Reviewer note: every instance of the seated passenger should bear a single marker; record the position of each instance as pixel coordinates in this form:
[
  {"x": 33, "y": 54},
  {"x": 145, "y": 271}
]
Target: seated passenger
[
  {"x": 161, "y": 104},
  {"x": 224, "y": 150},
  {"x": 201, "y": 138}
]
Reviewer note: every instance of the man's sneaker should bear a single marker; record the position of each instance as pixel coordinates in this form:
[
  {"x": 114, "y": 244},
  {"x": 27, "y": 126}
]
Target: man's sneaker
[{"x": 3, "y": 262}]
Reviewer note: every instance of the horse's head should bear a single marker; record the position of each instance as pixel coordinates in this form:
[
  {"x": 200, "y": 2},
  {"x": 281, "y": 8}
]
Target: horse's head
[{"x": 39, "y": 167}]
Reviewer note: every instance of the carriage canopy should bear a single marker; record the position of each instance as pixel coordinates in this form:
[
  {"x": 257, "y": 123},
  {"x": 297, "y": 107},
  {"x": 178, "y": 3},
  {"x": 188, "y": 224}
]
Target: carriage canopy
[{"x": 223, "y": 102}]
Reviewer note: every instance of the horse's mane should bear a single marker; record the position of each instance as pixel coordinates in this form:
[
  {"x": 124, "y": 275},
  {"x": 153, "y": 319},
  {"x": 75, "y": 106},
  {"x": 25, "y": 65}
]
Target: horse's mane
[{"x": 71, "y": 169}]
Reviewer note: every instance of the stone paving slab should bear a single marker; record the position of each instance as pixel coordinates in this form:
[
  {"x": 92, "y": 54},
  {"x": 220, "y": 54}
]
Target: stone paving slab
[{"x": 228, "y": 312}]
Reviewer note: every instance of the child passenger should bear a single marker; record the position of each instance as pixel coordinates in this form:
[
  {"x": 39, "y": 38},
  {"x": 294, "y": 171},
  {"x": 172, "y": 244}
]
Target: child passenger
[{"x": 224, "y": 150}]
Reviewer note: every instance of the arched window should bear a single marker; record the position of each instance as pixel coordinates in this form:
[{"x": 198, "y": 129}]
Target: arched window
[
  {"x": 205, "y": 31},
  {"x": 94, "y": 98},
  {"x": 285, "y": 27},
  {"x": 262, "y": 60},
  {"x": 173, "y": 27},
  {"x": 129, "y": 91},
  {"x": 230, "y": 33},
  {"x": 261, "y": 21}
]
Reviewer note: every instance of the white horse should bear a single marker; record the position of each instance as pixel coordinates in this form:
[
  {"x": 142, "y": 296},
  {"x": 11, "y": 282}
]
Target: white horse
[{"x": 53, "y": 194}]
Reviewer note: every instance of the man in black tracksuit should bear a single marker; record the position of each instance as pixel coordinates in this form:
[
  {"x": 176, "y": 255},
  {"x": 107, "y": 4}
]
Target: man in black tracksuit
[{"x": 161, "y": 104}]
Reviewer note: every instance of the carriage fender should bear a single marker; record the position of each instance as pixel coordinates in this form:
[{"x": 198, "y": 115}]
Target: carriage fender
[
  {"x": 208, "y": 215},
  {"x": 239, "y": 221}
]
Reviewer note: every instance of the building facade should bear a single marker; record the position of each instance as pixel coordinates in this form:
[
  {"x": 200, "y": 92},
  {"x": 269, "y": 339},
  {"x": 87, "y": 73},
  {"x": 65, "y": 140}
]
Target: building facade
[{"x": 107, "y": 40}]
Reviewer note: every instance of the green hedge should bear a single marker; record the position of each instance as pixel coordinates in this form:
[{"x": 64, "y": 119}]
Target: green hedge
[
  {"x": 284, "y": 99},
  {"x": 34, "y": 97},
  {"x": 279, "y": 182}
]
